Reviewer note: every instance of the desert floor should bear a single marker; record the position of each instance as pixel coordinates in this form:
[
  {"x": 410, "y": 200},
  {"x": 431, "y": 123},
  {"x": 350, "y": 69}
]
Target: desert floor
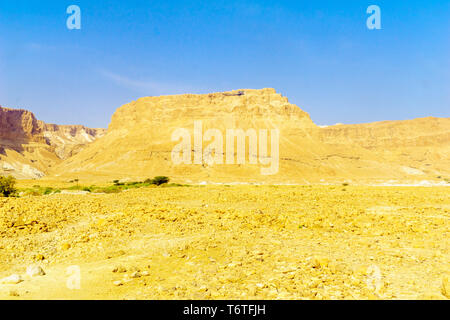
[{"x": 229, "y": 242}]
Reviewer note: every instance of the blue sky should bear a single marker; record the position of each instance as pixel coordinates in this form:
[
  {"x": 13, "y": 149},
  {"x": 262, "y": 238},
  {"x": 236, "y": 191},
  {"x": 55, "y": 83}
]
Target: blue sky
[{"x": 319, "y": 54}]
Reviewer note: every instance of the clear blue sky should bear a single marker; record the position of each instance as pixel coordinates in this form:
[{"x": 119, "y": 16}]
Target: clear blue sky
[{"x": 318, "y": 53}]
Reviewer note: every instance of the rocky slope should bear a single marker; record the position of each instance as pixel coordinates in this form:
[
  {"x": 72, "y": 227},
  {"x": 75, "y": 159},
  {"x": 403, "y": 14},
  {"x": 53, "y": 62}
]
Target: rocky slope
[
  {"x": 29, "y": 147},
  {"x": 140, "y": 141},
  {"x": 240, "y": 242},
  {"x": 420, "y": 148}
]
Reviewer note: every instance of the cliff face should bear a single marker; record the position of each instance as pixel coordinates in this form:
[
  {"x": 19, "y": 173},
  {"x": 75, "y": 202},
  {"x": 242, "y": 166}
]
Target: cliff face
[
  {"x": 424, "y": 132},
  {"x": 241, "y": 106},
  {"x": 140, "y": 141},
  {"x": 16, "y": 125},
  {"x": 29, "y": 147},
  {"x": 418, "y": 148},
  {"x": 68, "y": 140}
]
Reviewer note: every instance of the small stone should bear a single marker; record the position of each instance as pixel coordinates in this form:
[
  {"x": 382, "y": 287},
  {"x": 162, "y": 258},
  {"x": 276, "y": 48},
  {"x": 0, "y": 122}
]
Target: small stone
[
  {"x": 65, "y": 246},
  {"x": 101, "y": 222},
  {"x": 372, "y": 296},
  {"x": 39, "y": 257},
  {"x": 134, "y": 269},
  {"x": 319, "y": 263},
  {"x": 361, "y": 271},
  {"x": 145, "y": 273},
  {"x": 13, "y": 279},
  {"x": 120, "y": 253},
  {"x": 14, "y": 293},
  {"x": 135, "y": 275},
  {"x": 34, "y": 271},
  {"x": 126, "y": 278},
  {"x": 445, "y": 289},
  {"x": 119, "y": 269},
  {"x": 118, "y": 283}
]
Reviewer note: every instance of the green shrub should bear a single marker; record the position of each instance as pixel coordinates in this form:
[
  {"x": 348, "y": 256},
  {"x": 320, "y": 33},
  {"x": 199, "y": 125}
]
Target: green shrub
[
  {"x": 7, "y": 186},
  {"x": 34, "y": 193},
  {"x": 111, "y": 189},
  {"x": 48, "y": 191},
  {"x": 174, "y": 185},
  {"x": 75, "y": 188},
  {"x": 159, "y": 180},
  {"x": 118, "y": 183}
]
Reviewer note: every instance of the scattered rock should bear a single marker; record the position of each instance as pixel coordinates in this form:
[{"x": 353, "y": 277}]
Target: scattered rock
[
  {"x": 320, "y": 263},
  {"x": 34, "y": 271},
  {"x": 39, "y": 257},
  {"x": 119, "y": 269},
  {"x": 134, "y": 269},
  {"x": 13, "y": 279},
  {"x": 13, "y": 293},
  {"x": 236, "y": 238},
  {"x": 65, "y": 246}
]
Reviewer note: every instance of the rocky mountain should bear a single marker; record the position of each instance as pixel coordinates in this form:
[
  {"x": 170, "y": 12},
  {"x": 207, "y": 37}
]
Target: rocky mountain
[
  {"x": 143, "y": 136},
  {"x": 30, "y": 147},
  {"x": 419, "y": 148}
]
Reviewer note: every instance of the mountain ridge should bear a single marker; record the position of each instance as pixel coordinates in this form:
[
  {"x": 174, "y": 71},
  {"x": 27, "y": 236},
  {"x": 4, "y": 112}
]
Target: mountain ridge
[
  {"x": 29, "y": 147},
  {"x": 138, "y": 143}
]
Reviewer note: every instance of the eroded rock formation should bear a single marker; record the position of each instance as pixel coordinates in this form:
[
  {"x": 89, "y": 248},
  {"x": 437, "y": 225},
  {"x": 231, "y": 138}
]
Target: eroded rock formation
[{"x": 30, "y": 147}]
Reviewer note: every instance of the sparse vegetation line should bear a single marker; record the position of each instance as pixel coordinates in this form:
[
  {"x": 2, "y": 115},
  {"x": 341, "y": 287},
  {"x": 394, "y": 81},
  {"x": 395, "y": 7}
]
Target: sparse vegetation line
[{"x": 116, "y": 187}]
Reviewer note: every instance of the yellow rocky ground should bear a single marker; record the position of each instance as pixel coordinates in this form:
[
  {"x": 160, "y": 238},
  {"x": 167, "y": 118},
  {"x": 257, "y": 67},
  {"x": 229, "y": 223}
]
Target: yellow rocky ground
[{"x": 230, "y": 242}]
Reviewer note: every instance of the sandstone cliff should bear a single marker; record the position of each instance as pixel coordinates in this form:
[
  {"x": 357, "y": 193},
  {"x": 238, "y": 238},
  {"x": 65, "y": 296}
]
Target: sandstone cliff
[
  {"x": 419, "y": 148},
  {"x": 29, "y": 147}
]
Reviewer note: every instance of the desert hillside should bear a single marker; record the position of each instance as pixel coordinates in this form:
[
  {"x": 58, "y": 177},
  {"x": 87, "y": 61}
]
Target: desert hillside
[
  {"x": 420, "y": 148},
  {"x": 30, "y": 147},
  {"x": 139, "y": 143}
]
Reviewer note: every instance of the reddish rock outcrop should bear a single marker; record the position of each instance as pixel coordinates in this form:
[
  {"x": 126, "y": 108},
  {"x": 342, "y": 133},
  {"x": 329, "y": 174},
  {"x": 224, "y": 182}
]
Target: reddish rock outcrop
[{"x": 29, "y": 147}]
